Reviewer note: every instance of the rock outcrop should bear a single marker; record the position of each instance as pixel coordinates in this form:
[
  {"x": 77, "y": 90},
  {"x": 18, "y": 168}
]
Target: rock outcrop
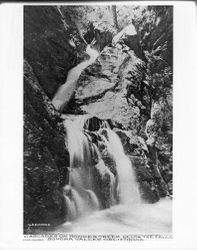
[{"x": 102, "y": 87}]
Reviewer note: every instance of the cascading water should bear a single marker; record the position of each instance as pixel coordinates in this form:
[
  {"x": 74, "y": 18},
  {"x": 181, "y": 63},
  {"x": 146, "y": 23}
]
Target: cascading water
[
  {"x": 103, "y": 169},
  {"x": 127, "y": 213},
  {"x": 77, "y": 141},
  {"x": 127, "y": 185},
  {"x": 85, "y": 194},
  {"x": 80, "y": 198},
  {"x": 71, "y": 208},
  {"x": 93, "y": 199},
  {"x": 66, "y": 91},
  {"x": 80, "y": 186}
]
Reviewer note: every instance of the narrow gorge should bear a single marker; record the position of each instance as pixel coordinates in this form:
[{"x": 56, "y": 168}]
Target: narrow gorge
[{"x": 98, "y": 119}]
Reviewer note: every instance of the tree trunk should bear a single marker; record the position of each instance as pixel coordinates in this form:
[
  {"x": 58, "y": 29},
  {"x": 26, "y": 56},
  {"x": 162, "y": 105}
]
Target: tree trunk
[{"x": 115, "y": 17}]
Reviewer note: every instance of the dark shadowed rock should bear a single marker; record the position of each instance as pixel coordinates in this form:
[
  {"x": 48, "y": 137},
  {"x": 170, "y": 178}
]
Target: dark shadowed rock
[
  {"x": 133, "y": 43},
  {"x": 48, "y": 47},
  {"x": 94, "y": 123},
  {"x": 45, "y": 156},
  {"x": 99, "y": 34},
  {"x": 149, "y": 192}
]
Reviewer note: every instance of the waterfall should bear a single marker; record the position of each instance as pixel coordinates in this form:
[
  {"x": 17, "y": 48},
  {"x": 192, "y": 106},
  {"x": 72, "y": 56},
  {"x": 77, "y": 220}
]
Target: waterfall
[
  {"x": 103, "y": 169},
  {"x": 77, "y": 141},
  {"x": 80, "y": 189},
  {"x": 126, "y": 213},
  {"x": 80, "y": 192},
  {"x": 93, "y": 199},
  {"x": 80, "y": 196},
  {"x": 79, "y": 202},
  {"x": 65, "y": 92},
  {"x": 70, "y": 208},
  {"x": 127, "y": 185}
]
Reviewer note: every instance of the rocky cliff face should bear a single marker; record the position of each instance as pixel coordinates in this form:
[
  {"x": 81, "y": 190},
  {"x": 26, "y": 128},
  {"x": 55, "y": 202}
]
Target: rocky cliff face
[
  {"x": 116, "y": 88},
  {"x": 155, "y": 28},
  {"x": 45, "y": 155},
  {"x": 49, "y": 47}
]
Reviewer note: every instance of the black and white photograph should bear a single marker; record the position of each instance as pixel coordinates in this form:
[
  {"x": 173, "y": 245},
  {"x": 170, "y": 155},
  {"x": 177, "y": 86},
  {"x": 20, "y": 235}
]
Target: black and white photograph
[
  {"x": 98, "y": 125},
  {"x": 98, "y": 119}
]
